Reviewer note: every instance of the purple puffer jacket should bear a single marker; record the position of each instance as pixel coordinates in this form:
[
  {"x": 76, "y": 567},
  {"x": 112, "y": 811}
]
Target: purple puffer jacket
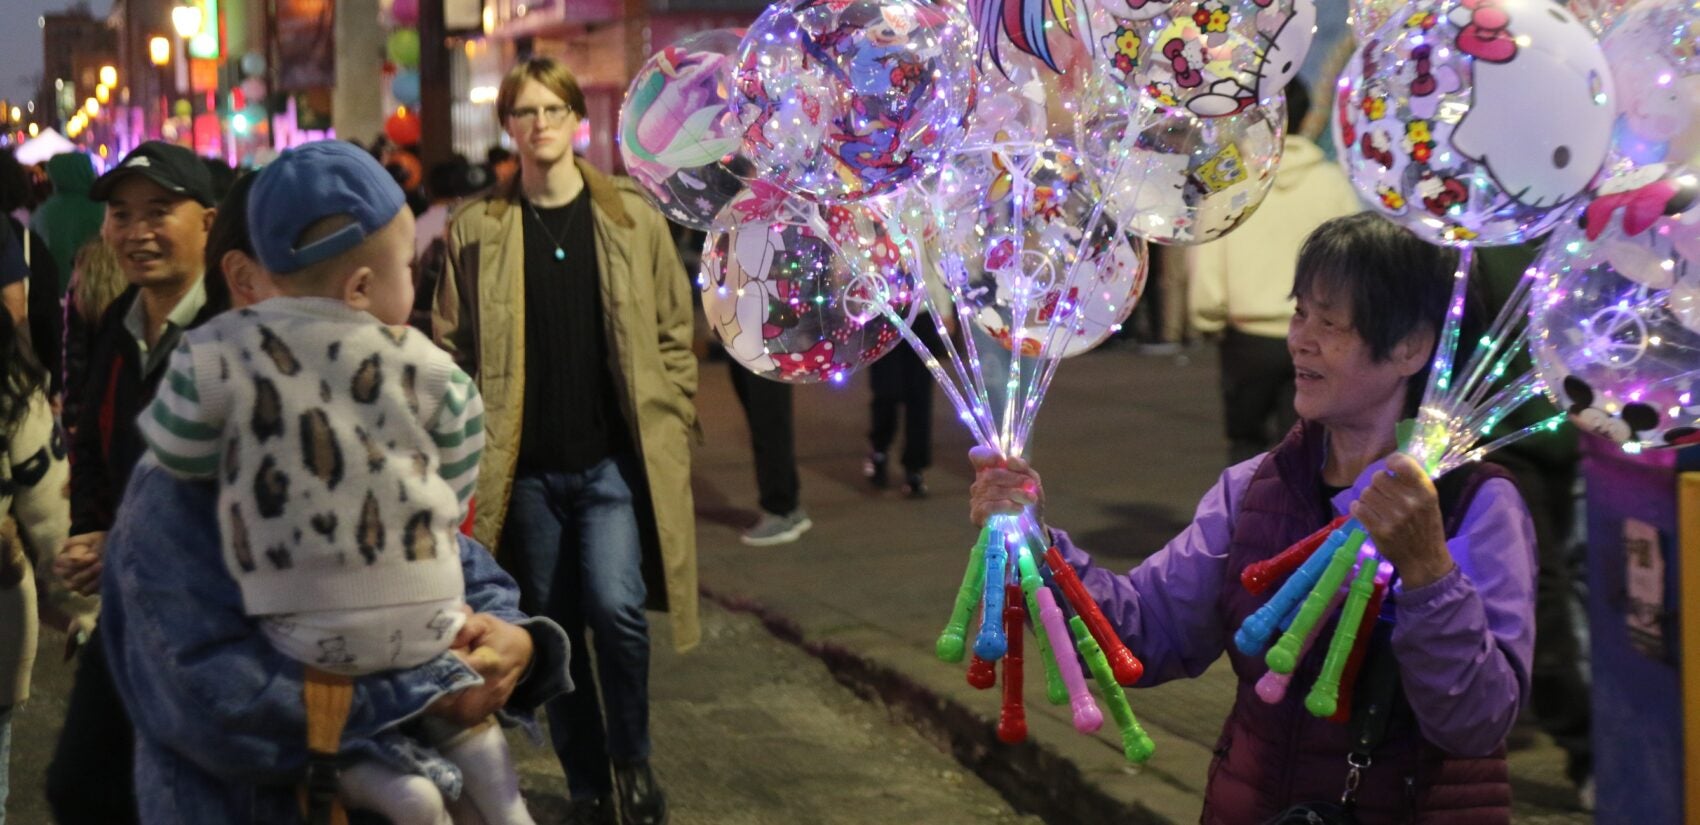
[{"x": 1463, "y": 644}]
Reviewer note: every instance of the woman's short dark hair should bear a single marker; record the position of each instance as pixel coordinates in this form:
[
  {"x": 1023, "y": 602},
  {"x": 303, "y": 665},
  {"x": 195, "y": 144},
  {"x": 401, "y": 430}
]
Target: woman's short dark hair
[{"x": 1394, "y": 283}]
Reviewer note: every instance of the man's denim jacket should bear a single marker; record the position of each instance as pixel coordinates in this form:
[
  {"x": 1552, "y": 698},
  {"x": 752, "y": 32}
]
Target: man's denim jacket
[{"x": 220, "y": 725}]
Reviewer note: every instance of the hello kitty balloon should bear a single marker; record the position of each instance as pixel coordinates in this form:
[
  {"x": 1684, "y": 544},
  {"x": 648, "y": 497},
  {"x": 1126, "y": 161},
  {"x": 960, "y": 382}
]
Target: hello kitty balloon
[
  {"x": 1212, "y": 58},
  {"x": 1475, "y": 121}
]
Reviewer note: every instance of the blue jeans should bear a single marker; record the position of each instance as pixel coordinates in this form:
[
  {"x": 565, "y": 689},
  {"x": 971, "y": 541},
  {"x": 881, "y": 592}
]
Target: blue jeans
[{"x": 578, "y": 559}]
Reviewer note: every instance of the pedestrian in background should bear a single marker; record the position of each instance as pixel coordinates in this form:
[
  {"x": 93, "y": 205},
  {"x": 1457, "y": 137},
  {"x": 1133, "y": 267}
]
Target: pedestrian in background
[
  {"x": 68, "y": 218},
  {"x": 1242, "y": 284},
  {"x": 96, "y": 282},
  {"x": 34, "y": 519},
  {"x": 159, "y": 208},
  {"x": 565, "y": 300},
  {"x": 41, "y": 287},
  {"x": 901, "y": 380}
]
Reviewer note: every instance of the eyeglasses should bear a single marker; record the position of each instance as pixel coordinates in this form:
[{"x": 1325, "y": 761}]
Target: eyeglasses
[{"x": 552, "y": 115}]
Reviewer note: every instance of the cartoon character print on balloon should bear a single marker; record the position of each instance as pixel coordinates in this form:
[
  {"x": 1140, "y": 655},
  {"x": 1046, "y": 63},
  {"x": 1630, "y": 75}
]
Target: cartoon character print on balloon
[
  {"x": 1476, "y": 120},
  {"x": 1625, "y": 426},
  {"x": 1035, "y": 266},
  {"x": 1617, "y": 314},
  {"x": 1213, "y": 57},
  {"x": 796, "y": 293},
  {"x": 1186, "y": 179},
  {"x": 678, "y": 135},
  {"x": 847, "y": 99}
]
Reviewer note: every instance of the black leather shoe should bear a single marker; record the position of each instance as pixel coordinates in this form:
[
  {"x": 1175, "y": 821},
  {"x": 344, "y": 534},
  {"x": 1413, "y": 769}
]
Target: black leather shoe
[
  {"x": 594, "y": 811},
  {"x": 642, "y": 801}
]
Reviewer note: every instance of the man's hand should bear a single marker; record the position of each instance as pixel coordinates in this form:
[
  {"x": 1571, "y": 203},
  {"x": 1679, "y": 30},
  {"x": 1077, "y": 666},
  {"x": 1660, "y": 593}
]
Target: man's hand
[
  {"x": 499, "y": 652},
  {"x": 1401, "y": 512},
  {"x": 79, "y": 564},
  {"x": 1002, "y": 486}
]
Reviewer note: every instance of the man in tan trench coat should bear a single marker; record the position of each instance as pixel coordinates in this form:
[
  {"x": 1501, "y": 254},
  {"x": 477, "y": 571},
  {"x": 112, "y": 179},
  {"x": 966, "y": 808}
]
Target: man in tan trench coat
[{"x": 565, "y": 299}]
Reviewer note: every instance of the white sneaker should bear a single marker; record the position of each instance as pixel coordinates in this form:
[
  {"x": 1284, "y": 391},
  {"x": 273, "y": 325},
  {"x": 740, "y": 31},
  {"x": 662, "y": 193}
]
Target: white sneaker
[
  {"x": 1585, "y": 795},
  {"x": 774, "y": 529}
]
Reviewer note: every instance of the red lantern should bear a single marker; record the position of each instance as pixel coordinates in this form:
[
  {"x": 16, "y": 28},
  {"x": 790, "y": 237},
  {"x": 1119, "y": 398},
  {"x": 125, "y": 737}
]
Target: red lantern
[{"x": 403, "y": 127}]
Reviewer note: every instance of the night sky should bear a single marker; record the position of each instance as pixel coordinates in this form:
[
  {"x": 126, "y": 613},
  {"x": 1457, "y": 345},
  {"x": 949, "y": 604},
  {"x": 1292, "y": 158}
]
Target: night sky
[{"x": 20, "y": 42}]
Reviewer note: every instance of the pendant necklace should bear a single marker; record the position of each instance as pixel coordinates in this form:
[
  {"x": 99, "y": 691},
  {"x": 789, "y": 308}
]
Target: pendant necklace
[{"x": 560, "y": 254}]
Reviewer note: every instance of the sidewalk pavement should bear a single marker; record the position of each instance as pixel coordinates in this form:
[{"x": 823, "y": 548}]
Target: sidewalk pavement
[
  {"x": 1126, "y": 444},
  {"x": 749, "y": 730}
]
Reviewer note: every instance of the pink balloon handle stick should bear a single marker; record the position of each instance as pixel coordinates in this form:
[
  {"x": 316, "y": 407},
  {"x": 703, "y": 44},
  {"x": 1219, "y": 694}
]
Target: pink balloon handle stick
[
  {"x": 1272, "y": 686},
  {"x": 1127, "y": 669},
  {"x": 1087, "y": 717}
]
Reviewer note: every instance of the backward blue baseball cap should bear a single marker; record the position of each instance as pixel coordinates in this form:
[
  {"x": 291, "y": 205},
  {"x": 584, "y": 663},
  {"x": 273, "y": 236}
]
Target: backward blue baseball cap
[{"x": 308, "y": 184}]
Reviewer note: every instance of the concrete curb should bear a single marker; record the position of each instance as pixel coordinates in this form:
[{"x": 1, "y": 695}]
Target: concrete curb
[{"x": 1034, "y": 779}]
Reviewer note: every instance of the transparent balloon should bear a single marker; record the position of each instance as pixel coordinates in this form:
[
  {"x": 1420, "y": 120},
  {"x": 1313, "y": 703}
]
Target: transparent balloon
[
  {"x": 1025, "y": 250},
  {"x": 849, "y": 99},
  {"x": 1179, "y": 178},
  {"x": 799, "y": 292},
  {"x": 1600, "y": 15},
  {"x": 1617, "y": 321},
  {"x": 679, "y": 137},
  {"x": 1212, "y": 58},
  {"x": 1654, "y": 52},
  {"x": 1367, "y": 16},
  {"x": 1475, "y": 121}
]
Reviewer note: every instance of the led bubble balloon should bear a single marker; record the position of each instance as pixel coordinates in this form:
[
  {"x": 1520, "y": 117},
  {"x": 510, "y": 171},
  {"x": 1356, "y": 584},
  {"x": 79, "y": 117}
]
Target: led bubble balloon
[
  {"x": 848, "y": 99},
  {"x": 1209, "y": 57},
  {"x": 1619, "y": 321},
  {"x": 1028, "y": 254},
  {"x": 678, "y": 135},
  {"x": 796, "y": 291},
  {"x": 1367, "y": 16},
  {"x": 1654, "y": 52},
  {"x": 1475, "y": 121},
  {"x": 1180, "y": 178}
]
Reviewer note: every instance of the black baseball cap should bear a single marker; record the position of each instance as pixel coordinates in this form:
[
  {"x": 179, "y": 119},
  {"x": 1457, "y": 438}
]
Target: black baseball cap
[{"x": 173, "y": 167}]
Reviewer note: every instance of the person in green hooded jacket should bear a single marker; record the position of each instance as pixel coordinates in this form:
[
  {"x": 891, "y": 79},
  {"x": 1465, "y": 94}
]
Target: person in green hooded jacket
[{"x": 68, "y": 218}]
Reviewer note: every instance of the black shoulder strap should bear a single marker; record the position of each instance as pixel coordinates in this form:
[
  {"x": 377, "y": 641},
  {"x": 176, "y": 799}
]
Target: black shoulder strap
[
  {"x": 1378, "y": 682},
  {"x": 1376, "y": 693}
]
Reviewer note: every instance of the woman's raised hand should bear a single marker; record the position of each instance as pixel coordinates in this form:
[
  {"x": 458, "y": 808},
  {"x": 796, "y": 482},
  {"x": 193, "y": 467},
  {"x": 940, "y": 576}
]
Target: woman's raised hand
[
  {"x": 1401, "y": 513},
  {"x": 1005, "y": 486}
]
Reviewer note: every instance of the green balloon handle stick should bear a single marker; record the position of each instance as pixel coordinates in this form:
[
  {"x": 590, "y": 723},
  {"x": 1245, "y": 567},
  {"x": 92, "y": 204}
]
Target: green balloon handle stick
[
  {"x": 952, "y": 642},
  {"x": 1136, "y": 745},
  {"x": 1055, "y": 691},
  {"x": 1324, "y": 696},
  {"x": 1284, "y": 656}
]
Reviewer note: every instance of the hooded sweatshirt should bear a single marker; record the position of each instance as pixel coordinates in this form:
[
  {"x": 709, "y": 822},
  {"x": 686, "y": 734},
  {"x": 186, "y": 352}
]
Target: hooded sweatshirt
[
  {"x": 68, "y": 218},
  {"x": 1245, "y": 280}
]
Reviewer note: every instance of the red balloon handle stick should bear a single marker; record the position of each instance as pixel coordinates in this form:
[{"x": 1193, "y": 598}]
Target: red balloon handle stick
[
  {"x": 1258, "y": 576},
  {"x": 1122, "y": 663},
  {"x": 981, "y": 673},
  {"x": 1012, "y": 722}
]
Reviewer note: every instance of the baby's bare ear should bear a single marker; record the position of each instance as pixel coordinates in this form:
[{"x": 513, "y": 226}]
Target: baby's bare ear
[{"x": 357, "y": 287}]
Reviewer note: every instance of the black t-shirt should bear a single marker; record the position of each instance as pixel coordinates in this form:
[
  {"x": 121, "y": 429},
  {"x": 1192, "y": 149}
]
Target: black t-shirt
[{"x": 572, "y": 418}]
